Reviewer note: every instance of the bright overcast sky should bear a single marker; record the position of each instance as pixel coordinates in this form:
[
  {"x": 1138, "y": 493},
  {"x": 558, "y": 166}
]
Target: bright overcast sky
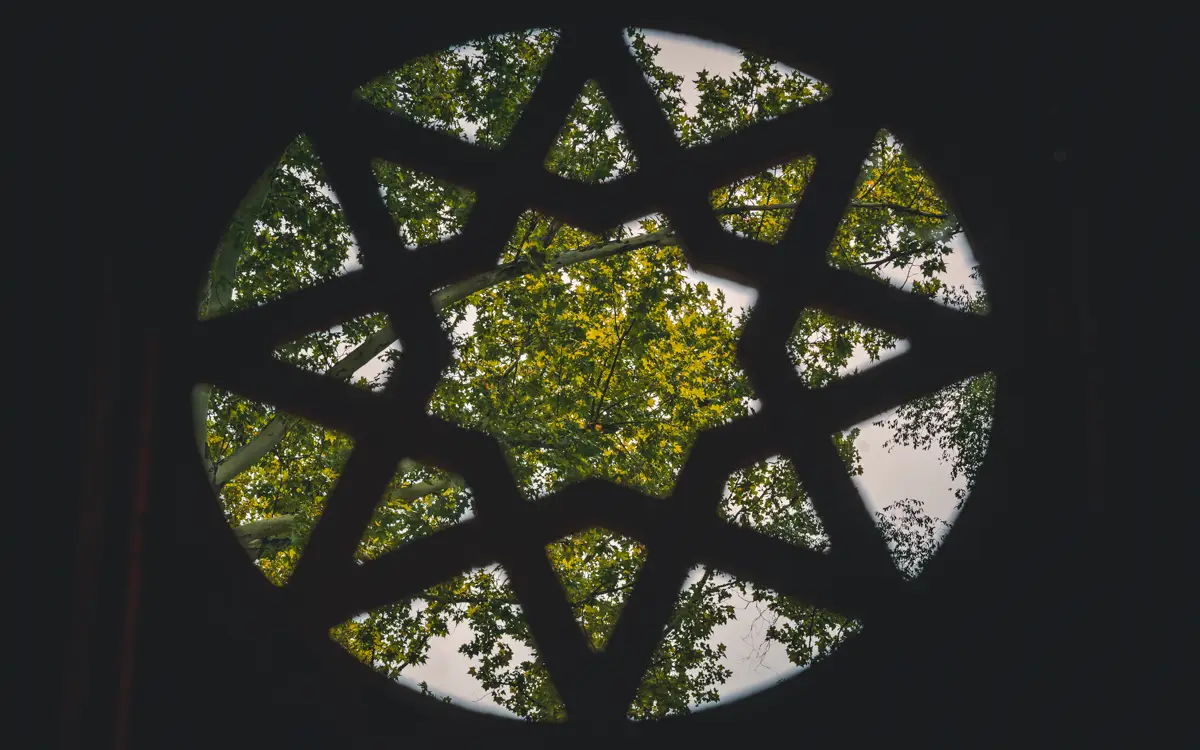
[{"x": 888, "y": 476}]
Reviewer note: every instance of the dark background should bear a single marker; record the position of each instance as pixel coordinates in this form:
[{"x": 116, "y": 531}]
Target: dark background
[{"x": 1059, "y": 138}]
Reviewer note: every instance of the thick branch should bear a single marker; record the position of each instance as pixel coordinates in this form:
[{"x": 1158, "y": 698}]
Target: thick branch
[
  {"x": 421, "y": 489},
  {"x": 219, "y": 292},
  {"x": 271, "y": 435},
  {"x": 252, "y": 534},
  {"x": 249, "y": 454},
  {"x": 232, "y": 245},
  {"x": 457, "y": 292},
  {"x": 358, "y": 357},
  {"x": 201, "y": 395}
]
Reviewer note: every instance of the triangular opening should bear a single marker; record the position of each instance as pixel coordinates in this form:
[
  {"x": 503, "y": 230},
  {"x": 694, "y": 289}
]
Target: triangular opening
[
  {"x": 824, "y": 347},
  {"x": 465, "y": 642},
  {"x": 417, "y": 502},
  {"x": 710, "y": 90},
  {"x": 597, "y": 569},
  {"x": 761, "y": 207},
  {"x": 273, "y": 472},
  {"x": 288, "y": 233},
  {"x": 424, "y": 209},
  {"x": 920, "y": 462},
  {"x": 769, "y": 498},
  {"x": 873, "y": 348},
  {"x": 592, "y": 146},
  {"x": 361, "y": 351},
  {"x": 727, "y": 638},
  {"x": 899, "y": 229},
  {"x": 479, "y": 647},
  {"x": 770, "y": 637},
  {"x": 963, "y": 286},
  {"x": 385, "y": 638},
  {"x": 912, "y": 534},
  {"x": 475, "y": 91}
]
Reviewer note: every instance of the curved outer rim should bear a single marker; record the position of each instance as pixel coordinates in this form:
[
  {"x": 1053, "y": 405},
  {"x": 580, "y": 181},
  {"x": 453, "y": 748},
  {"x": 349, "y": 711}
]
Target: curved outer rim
[{"x": 973, "y": 516}]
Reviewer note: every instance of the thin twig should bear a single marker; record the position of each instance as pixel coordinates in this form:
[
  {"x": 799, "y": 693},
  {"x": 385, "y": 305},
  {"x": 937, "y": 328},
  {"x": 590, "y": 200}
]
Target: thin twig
[{"x": 745, "y": 209}]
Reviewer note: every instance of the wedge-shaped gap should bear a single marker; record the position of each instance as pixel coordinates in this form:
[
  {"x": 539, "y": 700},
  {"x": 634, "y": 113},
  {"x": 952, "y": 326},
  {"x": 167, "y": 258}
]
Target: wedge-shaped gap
[
  {"x": 898, "y": 227},
  {"x": 503, "y": 658},
  {"x": 761, "y": 207},
  {"x": 475, "y": 91},
  {"x": 961, "y": 286},
  {"x": 764, "y": 638},
  {"x": 769, "y": 498},
  {"x": 597, "y": 569},
  {"x": 916, "y": 465},
  {"x": 874, "y": 348},
  {"x": 709, "y": 90},
  {"x": 360, "y": 351},
  {"x": 418, "y": 501},
  {"x": 425, "y": 209},
  {"x": 912, "y": 534},
  {"x": 598, "y": 357},
  {"x": 463, "y": 641},
  {"x": 272, "y": 473},
  {"x": 289, "y": 233},
  {"x": 727, "y": 638},
  {"x": 591, "y": 146},
  {"x": 686, "y": 668},
  {"x": 824, "y": 347}
]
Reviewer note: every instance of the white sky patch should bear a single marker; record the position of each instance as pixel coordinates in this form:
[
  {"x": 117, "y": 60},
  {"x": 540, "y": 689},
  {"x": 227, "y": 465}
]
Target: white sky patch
[
  {"x": 737, "y": 296},
  {"x": 446, "y": 672},
  {"x": 686, "y": 56}
]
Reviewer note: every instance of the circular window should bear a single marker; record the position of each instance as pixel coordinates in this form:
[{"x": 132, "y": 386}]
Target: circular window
[{"x": 539, "y": 339}]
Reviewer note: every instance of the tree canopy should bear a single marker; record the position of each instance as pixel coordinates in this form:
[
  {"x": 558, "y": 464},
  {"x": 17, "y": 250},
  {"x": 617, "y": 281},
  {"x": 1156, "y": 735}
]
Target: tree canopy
[{"x": 584, "y": 355}]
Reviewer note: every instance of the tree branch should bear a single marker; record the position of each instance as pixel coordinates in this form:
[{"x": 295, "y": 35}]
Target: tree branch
[
  {"x": 608, "y": 379},
  {"x": 898, "y": 255},
  {"x": 727, "y": 210},
  {"x": 249, "y": 454},
  {"x": 218, "y": 292},
  {"x": 271, "y": 435},
  {"x": 587, "y": 598},
  {"x": 251, "y": 535},
  {"x": 449, "y": 295},
  {"x": 697, "y": 594},
  {"x": 421, "y": 489},
  {"x": 551, "y": 232}
]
